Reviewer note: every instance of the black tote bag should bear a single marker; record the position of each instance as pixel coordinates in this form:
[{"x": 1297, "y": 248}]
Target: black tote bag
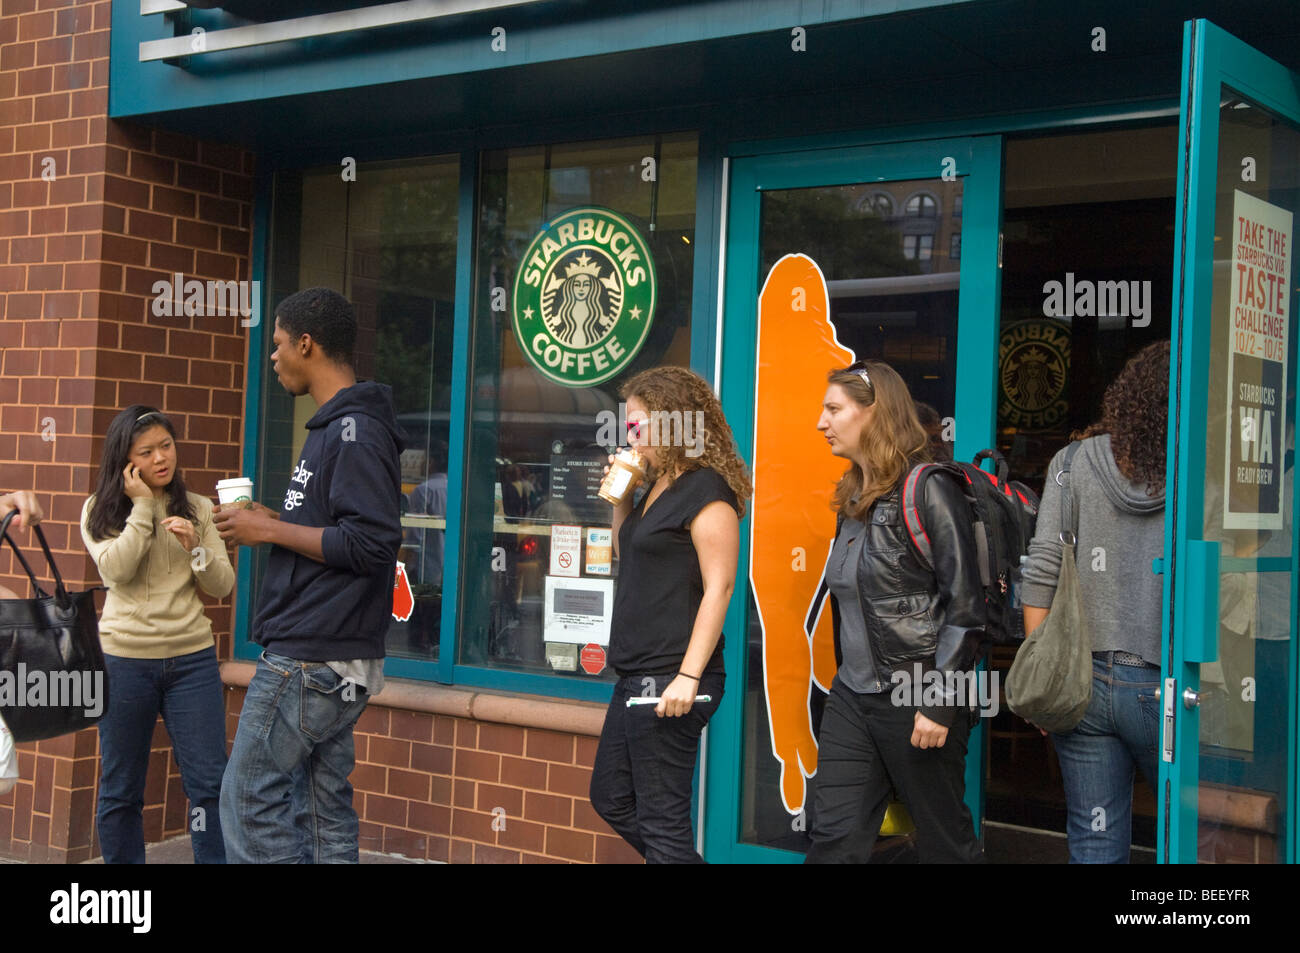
[{"x": 52, "y": 677}]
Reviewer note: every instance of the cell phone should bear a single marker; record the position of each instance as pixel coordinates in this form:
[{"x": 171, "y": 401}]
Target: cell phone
[{"x": 655, "y": 700}]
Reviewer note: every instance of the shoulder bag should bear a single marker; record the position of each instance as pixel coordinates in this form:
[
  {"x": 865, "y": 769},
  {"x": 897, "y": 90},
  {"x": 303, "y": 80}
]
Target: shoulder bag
[{"x": 1050, "y": 682}]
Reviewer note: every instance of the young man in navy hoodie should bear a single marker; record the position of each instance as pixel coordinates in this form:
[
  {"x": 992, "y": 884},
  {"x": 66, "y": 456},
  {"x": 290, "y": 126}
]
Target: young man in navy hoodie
[{"x": 325, "y": 602}]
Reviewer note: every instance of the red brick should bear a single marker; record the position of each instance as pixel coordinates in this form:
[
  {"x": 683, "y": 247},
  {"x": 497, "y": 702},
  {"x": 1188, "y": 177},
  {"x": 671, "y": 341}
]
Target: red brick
[
  {"x": 493, "y": 796},
  {"x": 222, "y": 156},
  {"x": 522, "y": 773},
  {"x": 573, "y": 845},
  {"x": 47, "y": 221},
  {"x": 441, "y": 788},
  {"x": 411, "y": 725},
  {"x": 548, "y": 809},
  {"x": 219, "y": 211},
  {"x": 429, "y": 818},
  {"x": 173, "y": 201},
  {"x": 566, "y": 779},
  {"x": 217, "y": 374},
  {"x": 123, "y": 191},
  {"x": 374, "y": 719},
  {"x": 408, "y": 784},
  {"x": 404, "y": 843},
  {"x": 466, "y": 733},
  {"x": 198, "y": 178},
  {"x": 433, "y": 759},
  {"x": 148, "y": 225},
  {"x": 195, "y": 344},
  {"x": 25, "y": 250},
  {"x": 523, "y": 835},
  {"x": 550, "y": 746},
  {"x": 506, "y": 739},
  {"x": 477, "y": 765},
  {"x": 69, "y": 132},
  {"x": 586, "y": 819},
  {"x": 198, "y": 234},
  {"x": 462, "y": 852},
  {"x": 175, "y": 146},
  {"x": 385, "y": 810},
  {"x": 485, "y": 854},
  {"x": 390, "y": 751},
  {"x": 34, "y": 81},
  {"x": 586, "y": 750},
  {"x": 472, "y": 825},
  {"x": 171, "y": 258},
  {"x": 90, "y": 46},
  {"x": 611, "y": 849}
]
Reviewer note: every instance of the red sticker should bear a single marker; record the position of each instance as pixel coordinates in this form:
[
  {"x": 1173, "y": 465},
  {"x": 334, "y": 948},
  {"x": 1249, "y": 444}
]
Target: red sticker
[{"x": 592, "y": 658}]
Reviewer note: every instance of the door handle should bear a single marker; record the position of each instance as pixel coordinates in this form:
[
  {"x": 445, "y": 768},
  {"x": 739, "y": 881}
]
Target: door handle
[{"x": 1191, "y": 699}]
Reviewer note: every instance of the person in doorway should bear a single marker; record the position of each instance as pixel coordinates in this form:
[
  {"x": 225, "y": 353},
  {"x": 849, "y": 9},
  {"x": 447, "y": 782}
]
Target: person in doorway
[
  {"x": 326, "y": 600},
  {"x": 678, "y": 551},
  {"x": 156, "y": 546},
  {"x": 893, "y": 615},
  {"x": 1117, "y": 484}
]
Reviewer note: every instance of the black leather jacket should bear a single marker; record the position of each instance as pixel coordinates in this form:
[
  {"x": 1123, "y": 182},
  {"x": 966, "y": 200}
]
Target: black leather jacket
[{"x": 913, "y": 614}]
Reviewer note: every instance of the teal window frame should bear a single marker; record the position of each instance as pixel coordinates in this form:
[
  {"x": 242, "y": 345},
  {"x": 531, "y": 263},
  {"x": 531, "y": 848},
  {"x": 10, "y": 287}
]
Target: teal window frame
[{"x": 446, "y": 669}]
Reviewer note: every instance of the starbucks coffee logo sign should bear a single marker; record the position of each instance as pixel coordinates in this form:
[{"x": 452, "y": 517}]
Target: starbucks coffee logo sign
[
  {"x": 584, "y": 297},
  {"x": 1033, "y": 364}
]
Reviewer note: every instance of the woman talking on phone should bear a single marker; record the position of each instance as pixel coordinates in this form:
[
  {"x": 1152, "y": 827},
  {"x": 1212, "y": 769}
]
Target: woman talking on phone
[
  {"x": 156, "y": 546},
  {"x": 677, "y": 554},
  {"x": 894, "y": 617}
]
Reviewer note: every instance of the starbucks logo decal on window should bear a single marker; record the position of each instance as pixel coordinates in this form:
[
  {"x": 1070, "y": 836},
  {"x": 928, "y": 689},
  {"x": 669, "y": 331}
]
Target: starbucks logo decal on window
[{"x": 584, "y": 297}]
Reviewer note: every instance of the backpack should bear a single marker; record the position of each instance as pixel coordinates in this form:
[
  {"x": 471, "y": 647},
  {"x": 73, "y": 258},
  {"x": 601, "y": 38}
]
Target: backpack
[{"x": 1004, "y": 514}]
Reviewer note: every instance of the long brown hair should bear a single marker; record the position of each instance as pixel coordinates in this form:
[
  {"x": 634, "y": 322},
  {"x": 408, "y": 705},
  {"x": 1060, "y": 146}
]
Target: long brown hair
[
  {"x": 892, "y": 444},
  {"x": 1135, "y": 412},
  {"x": 677, "y": 391}
]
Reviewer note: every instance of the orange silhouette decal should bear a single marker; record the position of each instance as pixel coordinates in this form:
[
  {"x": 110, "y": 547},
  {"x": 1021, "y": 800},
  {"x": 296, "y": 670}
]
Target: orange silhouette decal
[{"x": 793, "y": 526}]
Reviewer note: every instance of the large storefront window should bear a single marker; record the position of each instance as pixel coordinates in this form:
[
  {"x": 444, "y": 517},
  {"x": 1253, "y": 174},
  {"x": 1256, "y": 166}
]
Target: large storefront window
[
  {"x": 539, "y": 435},
  {"x": 387, "y": 241}
]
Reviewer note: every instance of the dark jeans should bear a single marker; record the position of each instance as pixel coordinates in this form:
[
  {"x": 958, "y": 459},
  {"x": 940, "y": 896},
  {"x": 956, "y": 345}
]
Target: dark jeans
[
  {"x": 641, "y": 782},
  {"x": 865, "y": 745},
  {"x": 187, "y": 692}
]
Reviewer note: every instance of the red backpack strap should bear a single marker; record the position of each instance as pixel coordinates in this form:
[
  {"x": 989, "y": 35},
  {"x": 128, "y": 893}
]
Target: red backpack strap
[{"x": 912, "y": 512}]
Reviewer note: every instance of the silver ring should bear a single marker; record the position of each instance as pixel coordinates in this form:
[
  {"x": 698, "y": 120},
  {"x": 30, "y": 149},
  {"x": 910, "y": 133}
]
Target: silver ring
[
  {"x": 1059, "y": 474},
  {"x": 1073, "y": 540}
]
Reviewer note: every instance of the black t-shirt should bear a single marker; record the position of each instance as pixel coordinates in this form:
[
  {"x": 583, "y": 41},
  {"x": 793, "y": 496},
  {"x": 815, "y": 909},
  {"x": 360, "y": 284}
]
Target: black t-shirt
[{"x": 659, "y": 580}]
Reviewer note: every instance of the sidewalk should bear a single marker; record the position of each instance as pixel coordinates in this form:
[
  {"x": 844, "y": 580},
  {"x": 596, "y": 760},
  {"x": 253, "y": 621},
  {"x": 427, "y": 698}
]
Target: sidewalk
[{"x": 177, "y": 851}]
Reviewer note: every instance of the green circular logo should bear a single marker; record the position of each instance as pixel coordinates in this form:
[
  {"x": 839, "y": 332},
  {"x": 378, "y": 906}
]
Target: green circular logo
[{"x": 584, "y": 297}]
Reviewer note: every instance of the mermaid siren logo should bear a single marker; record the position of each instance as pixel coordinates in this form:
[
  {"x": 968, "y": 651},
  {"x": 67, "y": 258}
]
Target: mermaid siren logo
[{"x": 584, "y": 297}]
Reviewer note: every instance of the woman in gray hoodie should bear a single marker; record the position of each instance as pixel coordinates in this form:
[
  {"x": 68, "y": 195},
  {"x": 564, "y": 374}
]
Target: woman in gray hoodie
[{"x": 1117, "y": 482}]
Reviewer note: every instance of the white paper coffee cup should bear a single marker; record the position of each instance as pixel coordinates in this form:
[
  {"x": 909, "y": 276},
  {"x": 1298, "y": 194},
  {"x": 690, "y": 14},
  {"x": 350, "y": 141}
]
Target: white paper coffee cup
[{"x": 235, "y": 490}]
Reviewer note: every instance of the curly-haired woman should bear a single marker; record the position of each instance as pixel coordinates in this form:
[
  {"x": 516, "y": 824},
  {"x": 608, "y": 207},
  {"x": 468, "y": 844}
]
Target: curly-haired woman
[
  {"x": 1117, "y": 483},
  {"x": 156, "y": 546},
  {"x": 677, "y": 554}
]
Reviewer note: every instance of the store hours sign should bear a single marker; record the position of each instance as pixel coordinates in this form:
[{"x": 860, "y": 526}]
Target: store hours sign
[
  {"x": 584, "y": 297},
  {"x": 1257, "y": 356}
]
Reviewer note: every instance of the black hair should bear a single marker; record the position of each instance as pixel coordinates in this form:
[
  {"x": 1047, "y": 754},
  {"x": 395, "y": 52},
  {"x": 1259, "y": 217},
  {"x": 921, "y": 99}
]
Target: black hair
[
  {"x": 325, "y": 315},
  {"x": 107, "y": 516}
]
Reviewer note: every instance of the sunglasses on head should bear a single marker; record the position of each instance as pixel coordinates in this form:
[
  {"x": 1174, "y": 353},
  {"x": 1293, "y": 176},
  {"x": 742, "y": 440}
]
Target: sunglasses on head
[{"x": 860, "y": 368}]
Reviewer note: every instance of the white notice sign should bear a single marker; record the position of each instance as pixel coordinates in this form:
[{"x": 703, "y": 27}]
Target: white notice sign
[
  {"x": 578, "y": 610},
  {"x": 566, "y": 550}
]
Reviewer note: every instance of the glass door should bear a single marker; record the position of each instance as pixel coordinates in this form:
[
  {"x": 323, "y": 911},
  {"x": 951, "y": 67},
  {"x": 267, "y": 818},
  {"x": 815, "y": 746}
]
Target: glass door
[
  {"x": 887, "y": 252},
  {"x": 1228, "y": 728}
]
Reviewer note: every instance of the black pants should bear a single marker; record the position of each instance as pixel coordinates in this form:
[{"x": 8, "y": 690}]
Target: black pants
[
  {"x": 641, "y": 781},
  {"x": 865, "y": 745}
]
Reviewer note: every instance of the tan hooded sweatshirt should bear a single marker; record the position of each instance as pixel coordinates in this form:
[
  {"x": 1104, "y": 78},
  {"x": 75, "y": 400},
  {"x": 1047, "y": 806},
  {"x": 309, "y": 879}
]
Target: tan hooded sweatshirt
[{"x": 152, "y": 609}]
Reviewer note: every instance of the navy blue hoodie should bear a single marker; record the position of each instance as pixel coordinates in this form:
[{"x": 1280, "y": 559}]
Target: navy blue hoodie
[{"x": 348, "y": 480}]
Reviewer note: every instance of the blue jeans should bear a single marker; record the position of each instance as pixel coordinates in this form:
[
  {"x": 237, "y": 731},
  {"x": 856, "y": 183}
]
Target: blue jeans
[
  {"x": 1118, "y": 732},
  {"x": 187, "y": 692},
  {"x": 286, "y": 798},
  {"x": 641, "y": 779}
]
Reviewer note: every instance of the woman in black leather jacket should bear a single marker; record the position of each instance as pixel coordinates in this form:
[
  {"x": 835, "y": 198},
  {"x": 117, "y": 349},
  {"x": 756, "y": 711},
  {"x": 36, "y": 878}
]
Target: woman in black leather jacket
[{"x": 897, "y": 622}]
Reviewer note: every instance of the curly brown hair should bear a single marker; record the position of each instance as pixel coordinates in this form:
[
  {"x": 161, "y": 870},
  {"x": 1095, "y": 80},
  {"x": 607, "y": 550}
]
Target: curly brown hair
[
  {"x": 893, "y": 444},
  {"x": 1135, "y": 412},
  {"x": 676, "y": 390}
]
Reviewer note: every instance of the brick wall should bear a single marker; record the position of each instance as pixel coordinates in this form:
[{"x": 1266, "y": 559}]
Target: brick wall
[
  {"x": 92, "y": 213},
  {"x": 452, "y": 789}
]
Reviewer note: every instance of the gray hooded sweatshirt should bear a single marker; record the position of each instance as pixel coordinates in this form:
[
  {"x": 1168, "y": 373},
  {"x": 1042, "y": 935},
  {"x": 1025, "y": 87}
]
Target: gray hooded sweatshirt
[{"x": 1121, "y": 529}]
